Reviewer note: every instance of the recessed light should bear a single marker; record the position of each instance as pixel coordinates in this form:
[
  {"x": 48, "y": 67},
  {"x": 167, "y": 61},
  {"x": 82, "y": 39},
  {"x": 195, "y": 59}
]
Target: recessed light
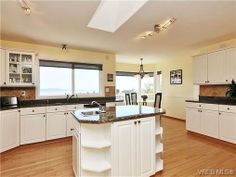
[{"x": 110, "y": 15}]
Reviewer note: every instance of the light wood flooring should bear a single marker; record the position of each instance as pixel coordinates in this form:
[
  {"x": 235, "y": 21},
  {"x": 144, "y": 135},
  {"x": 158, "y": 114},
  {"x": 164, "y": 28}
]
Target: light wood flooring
[{"x": 184, "y": 154}]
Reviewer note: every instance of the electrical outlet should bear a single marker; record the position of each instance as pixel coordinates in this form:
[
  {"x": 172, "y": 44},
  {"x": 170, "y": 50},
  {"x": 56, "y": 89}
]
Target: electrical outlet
[{"x": 23, "y": 93}]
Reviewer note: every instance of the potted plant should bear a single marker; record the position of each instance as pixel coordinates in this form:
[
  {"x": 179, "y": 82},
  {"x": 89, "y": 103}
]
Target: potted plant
[
  {"x": 231, "y": 93},
  {"x": 144, "y": 97}
]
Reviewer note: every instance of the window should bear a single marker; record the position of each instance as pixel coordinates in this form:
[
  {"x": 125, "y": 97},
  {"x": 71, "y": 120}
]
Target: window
[
  {"x": 55, "y": 81},
  {"x": 126, "y": 83},
  {"x": 87, "y": 81},
  {"x": 60, "y": 78},
  {"x": 147, "y": 86}
]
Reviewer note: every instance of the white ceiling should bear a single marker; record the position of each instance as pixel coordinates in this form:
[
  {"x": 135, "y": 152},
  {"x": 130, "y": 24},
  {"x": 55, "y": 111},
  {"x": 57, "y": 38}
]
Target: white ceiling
[{"x": 58, "y": 22}]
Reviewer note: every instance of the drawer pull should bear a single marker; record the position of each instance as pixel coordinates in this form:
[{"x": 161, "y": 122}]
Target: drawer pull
[
  {"x": 139, "y": 121},
  {"x": 72, "y": 129},
  {"x": 56, "y": 109},
  {"x": 228, "y": 108},
  {"x": 32, "y": 110},
  {"x": 44, "y": 115},
  {"x": 219, "y": 113},
  {"x": 135, "y": 122}
]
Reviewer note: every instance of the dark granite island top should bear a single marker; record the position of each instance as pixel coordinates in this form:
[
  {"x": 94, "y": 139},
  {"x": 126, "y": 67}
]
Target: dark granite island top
[{"x": 118, "y": 113}]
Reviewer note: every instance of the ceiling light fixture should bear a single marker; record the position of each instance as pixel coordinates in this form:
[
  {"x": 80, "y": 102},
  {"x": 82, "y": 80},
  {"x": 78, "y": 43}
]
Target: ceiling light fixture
[
  {"x": 141, "y": 70},
  {"x": 25, "y": 6},
  {"x": 158, "y": 28},
  {"x": 110, "y": 15}
]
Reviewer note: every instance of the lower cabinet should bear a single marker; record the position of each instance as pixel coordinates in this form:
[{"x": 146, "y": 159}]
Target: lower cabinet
[
  {"x": 193, "y": 121},
  {"x": 134, "y": 147},
  {"x": 69, "y": 124},
  {"x": 227, "y": 127},
  {"x": 217, "y": 121},
  {"x": 9, "y": 129},
  {"x": 33, "y": 128},
  {"x": 56, "y": 125},
  {"x": 210, "y": 123}
]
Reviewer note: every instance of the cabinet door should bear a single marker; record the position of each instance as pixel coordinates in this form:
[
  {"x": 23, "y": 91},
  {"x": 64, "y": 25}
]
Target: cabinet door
[
  {"x": 227, "y": 127},
  {"x": 2, "y": 67},
  {"x": 9, "y": 130},
  {"x": 210, "y": 123},
  {"x": 193, "y": 120},
  {"x": 200, "y": 69},
  {"x": 69, "y": 124},
  {"x": 56, "y": 125},
  {"x": 146, "y": 144},
  {"x": 76, "y": 154},
  {"x": 230, "y": 65},
  {"x": 216, "y": 65},
  {"x": 33, "y": 128},
  {"x": 124, "y": 148}
]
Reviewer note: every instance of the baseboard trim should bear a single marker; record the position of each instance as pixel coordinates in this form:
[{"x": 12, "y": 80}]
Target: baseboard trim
[{"x": 176, "y": 118}]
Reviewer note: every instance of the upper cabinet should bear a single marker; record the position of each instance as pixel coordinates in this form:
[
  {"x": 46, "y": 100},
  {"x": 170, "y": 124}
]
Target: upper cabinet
[
  {"x": 200, "y": 69},
  {"x": 215, "y": 68},
  {"x": 20, "y": 69}
]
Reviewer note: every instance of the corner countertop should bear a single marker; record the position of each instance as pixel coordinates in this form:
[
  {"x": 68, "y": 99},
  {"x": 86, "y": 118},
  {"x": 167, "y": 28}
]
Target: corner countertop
[
  {"x": 118, "y": 113},
  {"x": 214, "y": 100}
]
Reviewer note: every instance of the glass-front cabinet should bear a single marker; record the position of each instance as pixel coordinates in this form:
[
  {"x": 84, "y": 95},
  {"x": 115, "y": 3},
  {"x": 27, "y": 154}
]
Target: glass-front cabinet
[{"x": 20, "y": 68}]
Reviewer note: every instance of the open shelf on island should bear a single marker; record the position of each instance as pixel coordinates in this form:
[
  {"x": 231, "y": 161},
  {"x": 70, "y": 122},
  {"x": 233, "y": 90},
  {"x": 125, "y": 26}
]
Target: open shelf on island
[
  {"x": 96, "y": 144},
  {"x": 159, "y": 131},
  {"x": 97, "y": 167},
  {"x": 159, "y": 165},
  {"x": 159, "y": 148}
]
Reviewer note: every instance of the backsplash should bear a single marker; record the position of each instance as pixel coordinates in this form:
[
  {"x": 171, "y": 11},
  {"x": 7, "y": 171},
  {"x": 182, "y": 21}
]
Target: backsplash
[
  {"x": 17, "y": 91},
  {"x": 30, "y": 92},
  {"x": 213, "y": 90}
]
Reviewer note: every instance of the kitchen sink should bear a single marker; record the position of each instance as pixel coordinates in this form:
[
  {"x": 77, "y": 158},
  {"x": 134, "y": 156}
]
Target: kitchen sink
[{"x": 91, "y": 113}]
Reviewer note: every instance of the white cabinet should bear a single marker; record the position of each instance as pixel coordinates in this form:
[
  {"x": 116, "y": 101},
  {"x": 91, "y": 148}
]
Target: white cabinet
[
  {"x": 124, "y": 148},
  {"x": 227, "y": 126},
  {"x": 216, "y": 65},
  {"x": 215, "y": 68},
  {"x": 133, "y": 149},
  {"x": 193, "y": 119},
  {"x": 200, "y": 69},
  {"x": 210, "y": 123},
  {"x": 20, "y": 68},
  {"x": 33, "y": 128},
  {"x": 146, "y": 147},
  {"x": 217, "y": 121},
  {"x": 2, "y": 67},
  {"x": 230, "y": 65},
  {"x": 9, "y": 129},
  {"x": 56, "y": 125},
  {"x": 76, "y": 153}
]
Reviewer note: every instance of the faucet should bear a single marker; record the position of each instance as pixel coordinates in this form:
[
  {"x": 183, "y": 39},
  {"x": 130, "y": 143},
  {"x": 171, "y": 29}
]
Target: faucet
[
  {"x": 68, "y": 97},
  {"x": 101, "y": 108}
]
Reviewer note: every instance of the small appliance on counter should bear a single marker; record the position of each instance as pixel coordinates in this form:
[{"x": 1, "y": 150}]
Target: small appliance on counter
[{"x": 8, "y": 101}]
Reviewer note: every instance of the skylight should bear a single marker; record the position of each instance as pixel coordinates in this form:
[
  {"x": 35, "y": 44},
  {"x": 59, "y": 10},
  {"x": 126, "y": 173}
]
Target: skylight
[{"x": 110, "y": 15}]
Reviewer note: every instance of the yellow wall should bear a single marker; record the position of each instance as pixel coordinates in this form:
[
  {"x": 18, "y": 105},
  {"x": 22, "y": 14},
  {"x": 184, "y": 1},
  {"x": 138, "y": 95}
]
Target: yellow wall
[
  {"x": 134, "y": 67},
  {"x": 56, "y": 53},
  {"x": 174, "y": 96}
]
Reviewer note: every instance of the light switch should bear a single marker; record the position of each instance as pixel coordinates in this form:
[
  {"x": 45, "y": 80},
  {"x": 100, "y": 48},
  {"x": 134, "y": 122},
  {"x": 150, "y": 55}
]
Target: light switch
[{"x": 107, "y": 89}]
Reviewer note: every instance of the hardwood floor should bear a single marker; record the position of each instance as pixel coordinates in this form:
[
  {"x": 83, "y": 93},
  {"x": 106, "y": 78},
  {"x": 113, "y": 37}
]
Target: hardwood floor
[{"x": 184, "y": 154}]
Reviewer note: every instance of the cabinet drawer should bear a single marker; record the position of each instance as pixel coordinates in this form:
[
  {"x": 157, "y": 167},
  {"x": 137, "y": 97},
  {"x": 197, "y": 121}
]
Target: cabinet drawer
[
  {"x": 214, "y": 107},
  {"x": 74, "y": 107},
  {"x": 227, "y": 108},
  {"x": 34, "y": 110},
  {"x": 56, "y": 108},
  {"x": 193, "y": 105}
]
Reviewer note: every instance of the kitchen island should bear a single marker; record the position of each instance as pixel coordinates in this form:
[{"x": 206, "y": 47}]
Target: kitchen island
[{"x": 123, "y": 141}]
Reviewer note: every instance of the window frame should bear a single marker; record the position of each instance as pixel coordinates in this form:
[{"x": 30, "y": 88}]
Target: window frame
[
  {"x": 101, "y": 83},
  {"x": 139, "y": 82}
]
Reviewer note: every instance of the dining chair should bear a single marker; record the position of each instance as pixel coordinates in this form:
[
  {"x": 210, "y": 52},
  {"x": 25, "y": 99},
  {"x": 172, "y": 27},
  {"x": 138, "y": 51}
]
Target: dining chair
[
  {"x": 134, "y": 98},
  {"x": 127, "y": 99},
  {"x": 158, "y": 98}
]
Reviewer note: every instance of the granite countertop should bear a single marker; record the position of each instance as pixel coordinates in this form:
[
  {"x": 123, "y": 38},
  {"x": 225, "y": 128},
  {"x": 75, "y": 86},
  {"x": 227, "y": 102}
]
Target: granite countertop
[
  {"x": 57, "y": 102},
  {"x": 214, "y": 100},
  {"x": 118, "y": 113}
]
